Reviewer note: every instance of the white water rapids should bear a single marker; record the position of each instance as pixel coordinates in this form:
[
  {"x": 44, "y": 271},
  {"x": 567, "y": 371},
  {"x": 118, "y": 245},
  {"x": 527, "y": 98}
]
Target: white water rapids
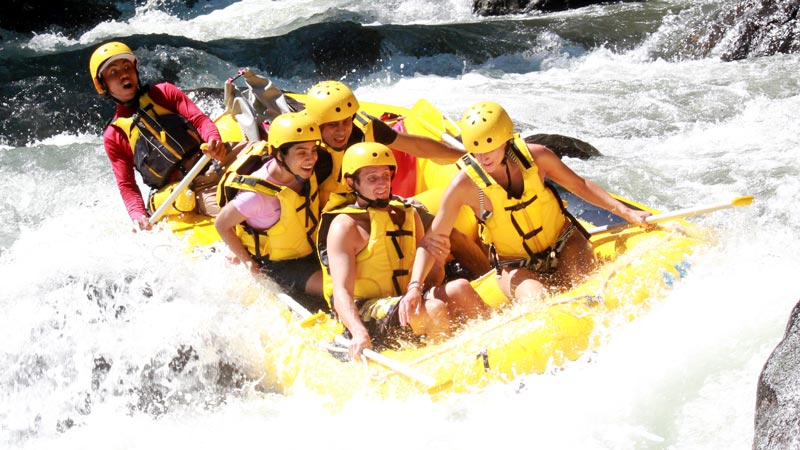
[{"x": 94, "y": 314}]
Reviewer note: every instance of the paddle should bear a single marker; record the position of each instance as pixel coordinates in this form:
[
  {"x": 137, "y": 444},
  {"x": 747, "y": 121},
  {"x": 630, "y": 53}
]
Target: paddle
[
  {"x": 679, "y": 214},
  {"x": 397, "y": 366},
  {"x": 181, "y": 187},
  {"x": 428, "y": 115}
]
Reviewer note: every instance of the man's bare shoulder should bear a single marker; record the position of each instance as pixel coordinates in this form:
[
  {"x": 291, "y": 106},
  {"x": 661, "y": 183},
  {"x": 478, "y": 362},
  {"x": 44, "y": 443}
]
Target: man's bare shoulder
[
  {"x": 350, "y": 228},
  {"x": 343, "y": 222}
]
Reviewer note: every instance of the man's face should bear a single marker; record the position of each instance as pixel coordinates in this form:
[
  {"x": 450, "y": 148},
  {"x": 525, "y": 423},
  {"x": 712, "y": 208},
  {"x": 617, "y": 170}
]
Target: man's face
[
  {"x": 121, "y": 79},
  {"x": 374, "y": 182},
  {"x": 337, "y": 134}
]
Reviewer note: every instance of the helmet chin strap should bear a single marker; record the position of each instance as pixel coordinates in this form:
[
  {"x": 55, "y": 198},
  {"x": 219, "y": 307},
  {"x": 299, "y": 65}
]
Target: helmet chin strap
[
  {"x": 374, "y": 202},
  {"x": 296, "y": 176}
]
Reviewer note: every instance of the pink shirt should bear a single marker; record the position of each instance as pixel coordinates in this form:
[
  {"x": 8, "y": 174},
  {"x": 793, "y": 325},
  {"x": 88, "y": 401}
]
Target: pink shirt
[{"x": 262, "y": 211}]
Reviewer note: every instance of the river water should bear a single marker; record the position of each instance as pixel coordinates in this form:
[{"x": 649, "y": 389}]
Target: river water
[{"x": 116, "y": 340}]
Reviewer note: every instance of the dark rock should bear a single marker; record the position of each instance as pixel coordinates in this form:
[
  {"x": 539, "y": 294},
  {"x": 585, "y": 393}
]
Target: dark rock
[
  {"x": 499, "y": 7},
  {"x": 313, "y": 52},
  {"x": 764, "y": 28},
  {"x": 752, "y": 28},
  {"x": 73, "y": 16},
  {"x": 332, "y": 59},
  {"x": 564, "y": 145},
  {"x": 777, "y": 423},
  {"x": 503, "y": 7}
]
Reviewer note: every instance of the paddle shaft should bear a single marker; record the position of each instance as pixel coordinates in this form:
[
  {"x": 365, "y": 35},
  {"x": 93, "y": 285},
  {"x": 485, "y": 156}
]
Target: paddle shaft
[
  {"x": 372, "y": 355},
  {"x": 296, "y": 308},
  {"x": 390, "y": 363},
  {"x": 679, "y": 214},
  {"x": 180, "y": 188},
  {"x": 445, "y": 136}
]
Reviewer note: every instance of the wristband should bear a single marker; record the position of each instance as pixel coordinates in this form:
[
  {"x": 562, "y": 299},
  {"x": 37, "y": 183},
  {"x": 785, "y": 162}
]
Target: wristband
[{"x": 383, "y": 133}]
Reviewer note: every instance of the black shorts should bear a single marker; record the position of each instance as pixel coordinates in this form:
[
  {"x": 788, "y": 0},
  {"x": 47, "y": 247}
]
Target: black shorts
[
  {"x": 291, "y": 274},
  {"x": 381, "y": 318}
]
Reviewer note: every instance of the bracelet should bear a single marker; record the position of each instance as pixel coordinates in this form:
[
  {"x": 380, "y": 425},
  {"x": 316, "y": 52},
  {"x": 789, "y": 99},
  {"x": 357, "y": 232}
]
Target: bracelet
[{"x": 412, "y": 284}]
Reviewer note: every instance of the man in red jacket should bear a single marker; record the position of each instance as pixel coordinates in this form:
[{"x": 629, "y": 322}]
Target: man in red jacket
[{"x": 156, "y": 130}]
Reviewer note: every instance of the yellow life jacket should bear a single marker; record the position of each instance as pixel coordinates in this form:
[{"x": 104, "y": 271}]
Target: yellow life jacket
[
  {"x": 517, "y": 227},
  {"x": 383, "y": 267},
  {"x": 334, "y": 181},
  {"x": 363, "y": 122},
  {"x": 294, "y": 234},
  {"x": 160, "y": 140}
]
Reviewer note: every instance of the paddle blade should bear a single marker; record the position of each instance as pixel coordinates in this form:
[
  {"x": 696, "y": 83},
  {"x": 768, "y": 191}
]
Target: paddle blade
[
  {"x": 742, "y": 201},
  {"x": 430, "y": 116},
  {"x": 436, "y": 123}
]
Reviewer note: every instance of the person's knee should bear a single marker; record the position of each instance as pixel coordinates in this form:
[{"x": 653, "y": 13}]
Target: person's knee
[
  {"x": 314, "y": 284},
  {"x": 459, "y": 288},
  {"x": 437, "y": 310},
  {"x": 523, "y": 285},
  {"x": 464, "y": 301},
  {"x": 434, "y": 322}
]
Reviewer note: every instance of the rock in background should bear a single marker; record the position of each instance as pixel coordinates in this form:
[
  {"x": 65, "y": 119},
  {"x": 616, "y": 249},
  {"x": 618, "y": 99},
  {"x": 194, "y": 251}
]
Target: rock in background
[
  {"x": 749, "y": 28},
  {"x": 23, "y": 16},
  {"x": 758, "y": 28},
  {"x": 777, "y": 416},
  {"x": 503, "y": 7},
  {"x": 564, "y": 145}
]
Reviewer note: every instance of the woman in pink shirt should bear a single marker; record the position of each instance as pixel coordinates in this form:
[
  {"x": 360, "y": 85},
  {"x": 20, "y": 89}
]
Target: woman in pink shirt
[{"x": 270, "y": 223}]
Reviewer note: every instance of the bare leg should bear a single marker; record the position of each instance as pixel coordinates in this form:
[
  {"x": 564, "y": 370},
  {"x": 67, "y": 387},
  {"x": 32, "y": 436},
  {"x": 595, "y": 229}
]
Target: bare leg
[
  {"x": 468, "y": 253},
  {"x": 520, "y": 284},
  {"x": 432, "y": 320},
  {"x": 314, "y": 284},
  {"x": 575, "y": 261},
  {"x": 462, "y": 301}
]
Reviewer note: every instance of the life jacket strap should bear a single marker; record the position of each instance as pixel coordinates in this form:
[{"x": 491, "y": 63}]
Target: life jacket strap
[
  {"x": 545, "y": 261},
  {"x": 396, "y": 274}
]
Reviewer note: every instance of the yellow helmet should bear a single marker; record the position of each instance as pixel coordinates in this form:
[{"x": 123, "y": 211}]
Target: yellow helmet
[
  {"x": 103, "y": 55},
  {"x": 331, "y": 101},
  {"x": 485, "y": 126},
  {"x": 367, "y": 154},
  {"x": 292, "y": 127}
]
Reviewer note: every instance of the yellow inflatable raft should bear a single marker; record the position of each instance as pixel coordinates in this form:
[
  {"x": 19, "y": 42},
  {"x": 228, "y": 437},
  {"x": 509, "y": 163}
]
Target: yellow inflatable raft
[{"x": 523, "y": 337}]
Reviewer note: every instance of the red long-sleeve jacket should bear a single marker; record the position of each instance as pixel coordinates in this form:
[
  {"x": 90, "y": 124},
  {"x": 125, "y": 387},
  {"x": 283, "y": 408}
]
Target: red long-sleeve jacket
[{"x": 119, "y": 149}]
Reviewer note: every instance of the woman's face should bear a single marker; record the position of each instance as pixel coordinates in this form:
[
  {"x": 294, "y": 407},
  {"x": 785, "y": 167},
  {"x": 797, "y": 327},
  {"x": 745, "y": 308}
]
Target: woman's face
[
  {"x": 301, "y": 158},
  {"x": 491, "y": 160}
]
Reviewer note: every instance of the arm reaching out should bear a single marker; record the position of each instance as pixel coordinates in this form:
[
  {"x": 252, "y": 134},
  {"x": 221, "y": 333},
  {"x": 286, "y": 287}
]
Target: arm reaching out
[{"x": 551, "y": 166}]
